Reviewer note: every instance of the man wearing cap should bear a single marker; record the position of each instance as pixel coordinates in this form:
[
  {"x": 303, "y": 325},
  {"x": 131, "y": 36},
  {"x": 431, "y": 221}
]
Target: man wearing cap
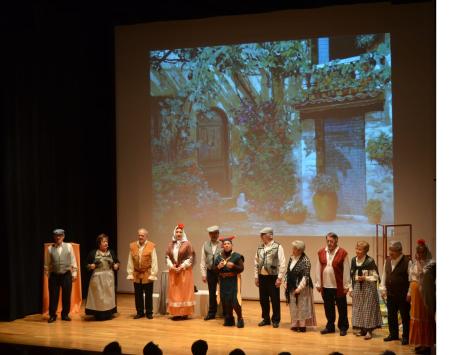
[
  {"x": 61, "y": 268},
  {"x": 210, "y": 250},
  {"x": 394, "y": 289},
  {"x": 333, "y": 282},
  {"x": 229, "y": 264},
  {"x": 270, "y": 267},
  {"x": 142, "y": 268}
]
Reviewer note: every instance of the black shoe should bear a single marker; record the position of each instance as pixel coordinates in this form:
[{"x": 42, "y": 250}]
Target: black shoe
[
  {"x": 229, "y": 322},
  {"x": 362, "y": 333},
  {"x": 301, "y": 329},
  {"x": 275, "y": 324},
  {"x": 66, "y": 318},
  {"x": 327, "y": 331},
  {"x": 210, "y": 316},
  {"x": 51, "y": 319},
  {"x": 343, "y": 333},
  {"x": 390, "y": 338},
  {"x": 240, "y": 323},
  {"x": 405, "y": 341},
  {"x": 263, "y": 323},
  {"x": 149, "y": 316},
  {"x": 137, "y": 316}
]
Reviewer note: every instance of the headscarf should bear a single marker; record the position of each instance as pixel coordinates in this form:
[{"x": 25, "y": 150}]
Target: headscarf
[{"x": 174, "y": 237}]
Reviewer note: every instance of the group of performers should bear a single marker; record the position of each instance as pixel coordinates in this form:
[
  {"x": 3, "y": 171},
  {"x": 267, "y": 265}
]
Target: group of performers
[{"x": 406, "y": 285}]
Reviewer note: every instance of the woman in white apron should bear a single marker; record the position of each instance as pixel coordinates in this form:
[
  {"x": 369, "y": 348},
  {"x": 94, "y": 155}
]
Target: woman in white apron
[{"x": 101, "y": 299}]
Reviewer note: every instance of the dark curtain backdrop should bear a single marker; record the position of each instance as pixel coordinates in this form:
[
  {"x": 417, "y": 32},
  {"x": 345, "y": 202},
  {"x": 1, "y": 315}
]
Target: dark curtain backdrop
[
  {"x": 58, "y": 126},
  {"x": 57, "y": 143}
]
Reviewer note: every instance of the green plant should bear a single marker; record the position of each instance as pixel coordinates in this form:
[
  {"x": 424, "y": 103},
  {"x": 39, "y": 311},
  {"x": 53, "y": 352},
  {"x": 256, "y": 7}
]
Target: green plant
[
  {"x": 180, "y": 187},
  {"x": 323, "y": 183},
  {"x": 379, "y": 149},
  {"x": 374, "y": 208},
  {"x": 266, "y": 134},
  {"x": 294, "y": 207}
]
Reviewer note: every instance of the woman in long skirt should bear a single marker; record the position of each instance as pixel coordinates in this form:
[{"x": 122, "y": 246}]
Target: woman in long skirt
[
  {"x": 366, "y": 314},
  {"x": 101, "y": 299},
  {"x": 299, "y": 289},
  {"x": 180, "y": 258},
  {"x": 422, "y": 332}
]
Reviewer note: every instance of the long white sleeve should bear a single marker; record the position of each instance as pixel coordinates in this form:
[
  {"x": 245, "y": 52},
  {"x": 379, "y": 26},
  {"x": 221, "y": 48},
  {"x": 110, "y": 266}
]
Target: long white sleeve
[
  {"x": 130, "y": 267},
  {"x": 346, "y": 279},
  {"x": 203, "y": 262},
  {"x": 154, "y": 268},
  {"x": 282, "y": 263}
]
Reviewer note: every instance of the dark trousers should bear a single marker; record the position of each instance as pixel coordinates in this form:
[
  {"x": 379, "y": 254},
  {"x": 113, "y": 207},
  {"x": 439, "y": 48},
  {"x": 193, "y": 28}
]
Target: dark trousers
[
  {"x": 393, "y": 306},
  {"x": 228, "y": 311},
  {"x": 212, "y": 278},
  {"x": 268, "y": 293},
  {"x": 330, "y": 299},
  {"x": 55, "y": 282},
  {"x": 139, "y": 290}
]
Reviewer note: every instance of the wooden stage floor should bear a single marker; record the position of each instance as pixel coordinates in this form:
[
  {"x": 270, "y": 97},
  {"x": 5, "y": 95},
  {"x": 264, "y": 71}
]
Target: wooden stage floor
[{"x": 176, "y": 337}]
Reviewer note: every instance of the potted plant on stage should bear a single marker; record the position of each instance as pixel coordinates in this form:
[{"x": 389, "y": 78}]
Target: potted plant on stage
[
  {"x": 294, "y": 212},
  {"x": 325, "y": 201},
  {"x": 374, "y": 211}
]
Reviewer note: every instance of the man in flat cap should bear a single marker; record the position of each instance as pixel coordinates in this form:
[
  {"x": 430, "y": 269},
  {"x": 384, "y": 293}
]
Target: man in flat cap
[
  {"x": 333, "y": 282},
  {"x": 142, "y": 269},
  {"x": 210, "y": 250},
  {"x": 270, "y": 267},
  {"x": 61, "y": 268},
  {"x": 394, "y": 289},
  {"x": 229, "y": 264}
]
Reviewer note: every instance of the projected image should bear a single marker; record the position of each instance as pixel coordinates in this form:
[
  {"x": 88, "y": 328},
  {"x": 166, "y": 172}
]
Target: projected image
[{"x": 293, "y": 134}]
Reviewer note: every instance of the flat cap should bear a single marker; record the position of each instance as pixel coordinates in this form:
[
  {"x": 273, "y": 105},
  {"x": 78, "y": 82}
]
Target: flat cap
[
  {"x": 266, "y": 230},
  {"x": 58, "y": 231},
  {"x": 213, "y": 229}
]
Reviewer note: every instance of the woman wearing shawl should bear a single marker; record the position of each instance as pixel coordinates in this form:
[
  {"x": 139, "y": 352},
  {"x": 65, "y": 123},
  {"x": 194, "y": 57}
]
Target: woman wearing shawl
[
  {"x": 422, "y": 332},
  {"x": 299, "y": 289},
  {"x": 366, "y": 314},
  {"x": 180, "y": 258}
]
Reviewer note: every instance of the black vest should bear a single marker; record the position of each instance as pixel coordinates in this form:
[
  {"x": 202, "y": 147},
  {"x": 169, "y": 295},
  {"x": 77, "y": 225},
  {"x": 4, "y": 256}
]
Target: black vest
[{"x": 397, "y": 282}]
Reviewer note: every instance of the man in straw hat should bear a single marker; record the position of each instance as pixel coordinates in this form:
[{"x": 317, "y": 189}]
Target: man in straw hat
[
  {"x": 211, "y": 248},
  {"x": 270, "y": 267}
]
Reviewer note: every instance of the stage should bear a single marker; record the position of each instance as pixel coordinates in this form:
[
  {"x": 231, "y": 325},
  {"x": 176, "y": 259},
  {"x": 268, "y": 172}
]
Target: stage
[{"x": 176, "y": 337}]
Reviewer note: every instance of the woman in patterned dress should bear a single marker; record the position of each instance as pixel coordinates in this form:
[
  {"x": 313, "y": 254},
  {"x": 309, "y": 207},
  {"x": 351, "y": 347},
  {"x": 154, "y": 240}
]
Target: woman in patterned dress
[
  {"x": 299, "y": 289},
  {"x": 102, "y": 262},
  {"x": 366, "y": 314}
]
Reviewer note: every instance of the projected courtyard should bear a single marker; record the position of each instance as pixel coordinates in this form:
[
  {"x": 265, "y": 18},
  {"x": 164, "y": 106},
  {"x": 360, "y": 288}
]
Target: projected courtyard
[{"x": 294, "y": 134}]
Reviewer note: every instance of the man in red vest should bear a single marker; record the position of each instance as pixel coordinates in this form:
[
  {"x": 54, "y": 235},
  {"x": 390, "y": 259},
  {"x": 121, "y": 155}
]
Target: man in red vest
[{"x": 333, "y": 282}]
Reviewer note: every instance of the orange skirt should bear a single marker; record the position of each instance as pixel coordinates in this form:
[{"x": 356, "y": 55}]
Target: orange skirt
[
  {"x": 422, "y": 331},
  {"x": 181, "y": 298}
]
